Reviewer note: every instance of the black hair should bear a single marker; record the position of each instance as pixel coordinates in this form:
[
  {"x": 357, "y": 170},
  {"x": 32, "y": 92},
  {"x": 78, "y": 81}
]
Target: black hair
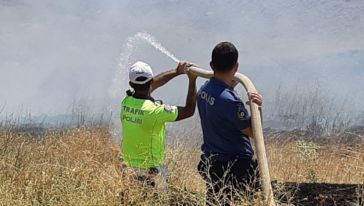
[
  {"x": 140, "y": 87},
  {"x": 224, "y": 57}
]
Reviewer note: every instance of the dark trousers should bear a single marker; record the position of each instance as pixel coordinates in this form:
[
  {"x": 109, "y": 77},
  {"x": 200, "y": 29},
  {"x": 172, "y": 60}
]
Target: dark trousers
[{"x": 227, "y": 181}]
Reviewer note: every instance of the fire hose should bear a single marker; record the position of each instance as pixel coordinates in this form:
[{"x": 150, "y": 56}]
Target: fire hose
[{"x": 257, "y": 131}]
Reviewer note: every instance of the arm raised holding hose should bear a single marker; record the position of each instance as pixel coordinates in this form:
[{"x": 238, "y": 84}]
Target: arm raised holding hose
[
  {"x": 189, "y": 109},
  {"x": 158, "y": 81},
  {"x": 164, "y": 77},
  {"x": 255, "y": 98}
]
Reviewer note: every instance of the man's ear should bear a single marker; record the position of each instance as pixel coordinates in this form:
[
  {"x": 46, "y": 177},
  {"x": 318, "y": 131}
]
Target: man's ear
[
  {"x": 211, "y": 65},
  {"x": 151, "y": 89},
  {"x": 236, "y": 67}
]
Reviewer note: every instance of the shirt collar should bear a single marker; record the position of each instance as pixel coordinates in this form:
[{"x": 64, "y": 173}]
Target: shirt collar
[{"x": 219, "y": 82}]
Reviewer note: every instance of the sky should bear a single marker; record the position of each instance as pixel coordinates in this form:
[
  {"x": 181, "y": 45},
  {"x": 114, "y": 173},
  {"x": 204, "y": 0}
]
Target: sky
[{"x": 54, "y": 54}]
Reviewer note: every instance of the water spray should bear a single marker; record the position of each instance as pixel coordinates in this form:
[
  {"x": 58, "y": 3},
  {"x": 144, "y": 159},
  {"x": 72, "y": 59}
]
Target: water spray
[{"x": 157, "y": 45}]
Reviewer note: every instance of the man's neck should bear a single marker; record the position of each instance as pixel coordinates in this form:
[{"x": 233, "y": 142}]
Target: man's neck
[
  {"x": 226, "y": 78},
  {"x": 141, "y": 95}
]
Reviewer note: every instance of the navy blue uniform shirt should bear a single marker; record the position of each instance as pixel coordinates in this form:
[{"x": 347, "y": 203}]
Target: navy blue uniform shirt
[{"x": 223, "y": 116}]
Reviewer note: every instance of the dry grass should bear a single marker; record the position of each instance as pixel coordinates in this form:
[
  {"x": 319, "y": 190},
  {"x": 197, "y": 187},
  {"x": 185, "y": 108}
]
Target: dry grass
[
  {"x": 77, "y": 167},
  {"x": 329, "y": 162},
  {"x": 81, "y": 167}
]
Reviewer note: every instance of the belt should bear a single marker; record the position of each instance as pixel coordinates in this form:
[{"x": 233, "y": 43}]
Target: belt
[
  {"x": 151, "y": 172},
  {"x": 156, "y": 176}
]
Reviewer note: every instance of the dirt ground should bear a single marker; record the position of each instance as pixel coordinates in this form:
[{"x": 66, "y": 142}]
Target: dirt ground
[{"x": 322, "y": 194}]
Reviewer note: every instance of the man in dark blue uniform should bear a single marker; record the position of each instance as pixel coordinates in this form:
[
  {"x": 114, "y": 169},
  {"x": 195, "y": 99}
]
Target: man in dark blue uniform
[{"x": 227, "y": 163}]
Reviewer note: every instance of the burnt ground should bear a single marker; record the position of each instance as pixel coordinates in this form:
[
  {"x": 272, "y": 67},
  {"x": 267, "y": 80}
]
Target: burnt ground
[{"x": 321, "y": 194}]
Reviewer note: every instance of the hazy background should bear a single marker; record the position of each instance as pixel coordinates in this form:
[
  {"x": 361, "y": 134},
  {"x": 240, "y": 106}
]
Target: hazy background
[{"x": 55, "y": 54}]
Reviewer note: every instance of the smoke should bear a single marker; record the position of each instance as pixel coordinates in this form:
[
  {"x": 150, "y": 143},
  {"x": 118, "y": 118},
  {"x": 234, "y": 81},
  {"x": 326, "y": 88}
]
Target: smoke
[{"x": 53, "y": 53}]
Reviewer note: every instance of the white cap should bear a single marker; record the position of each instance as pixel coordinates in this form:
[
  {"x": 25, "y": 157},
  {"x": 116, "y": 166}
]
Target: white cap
[{"x": 140, "y": 69}]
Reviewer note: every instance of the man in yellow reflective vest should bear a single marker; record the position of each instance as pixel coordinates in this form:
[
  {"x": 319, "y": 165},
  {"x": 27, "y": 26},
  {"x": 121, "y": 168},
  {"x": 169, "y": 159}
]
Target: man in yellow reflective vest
[{"x": 143, "y": 121}]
